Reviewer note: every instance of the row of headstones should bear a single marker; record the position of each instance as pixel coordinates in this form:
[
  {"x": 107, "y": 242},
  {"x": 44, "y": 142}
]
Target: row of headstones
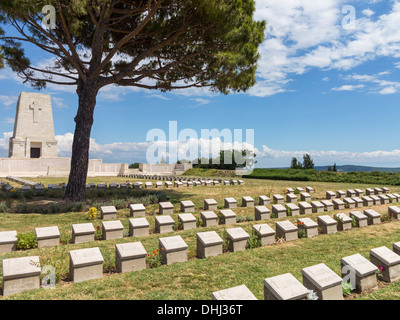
[
  {"x": 85, "y": 232},
  {"x": 174, "y": 178},
  {"x": 21, "y": 181},
  {"x": 21, "y": 274},
  {"x": 322, "y": 283},
  {"x": 49, "y": 236},
  {"x": 356, "y": 193}
]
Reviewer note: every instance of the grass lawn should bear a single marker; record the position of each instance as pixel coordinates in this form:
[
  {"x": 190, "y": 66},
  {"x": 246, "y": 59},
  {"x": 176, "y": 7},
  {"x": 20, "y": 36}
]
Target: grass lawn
[{"x": 198, "y": 278}]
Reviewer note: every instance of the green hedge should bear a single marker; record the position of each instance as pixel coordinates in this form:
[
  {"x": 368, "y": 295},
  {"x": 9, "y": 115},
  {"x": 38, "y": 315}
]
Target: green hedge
[{"x": 374, "y": 177}]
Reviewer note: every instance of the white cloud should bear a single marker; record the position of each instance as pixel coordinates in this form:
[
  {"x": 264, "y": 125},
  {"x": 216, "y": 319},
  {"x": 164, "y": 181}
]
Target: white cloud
[
  {"x": 348, "y": 88},
  {"x": 8, "y": 101},
  {"x": 270, "y": 157},
  {"x": 4, "y": 144},
  {"x": 368, "y": 12},
  {"x": 59, "y": 103},
  {"x": 199, "y": 102},
  {"x": 375, "y": 83},
  {"x": 304, "y": 35}
]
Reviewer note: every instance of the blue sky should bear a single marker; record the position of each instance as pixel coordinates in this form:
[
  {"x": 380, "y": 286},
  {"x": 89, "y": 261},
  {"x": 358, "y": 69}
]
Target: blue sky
[{"x": 322, "y": 88}]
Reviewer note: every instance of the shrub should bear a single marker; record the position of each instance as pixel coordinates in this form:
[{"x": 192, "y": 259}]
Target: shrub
[
  {"x": 254, "y": 240},
  {"x": 239, "y": 219},
  {"x": 92, "y": 214},
  {"x": 26, "y": 241},
  {"x": 347, "y": 288},
  {"x": 178, "y": 225},
  {"x": 250, "y": 217}
]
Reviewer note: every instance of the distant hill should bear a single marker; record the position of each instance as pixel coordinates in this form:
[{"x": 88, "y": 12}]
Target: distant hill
[{"x": 351, "y": 168}]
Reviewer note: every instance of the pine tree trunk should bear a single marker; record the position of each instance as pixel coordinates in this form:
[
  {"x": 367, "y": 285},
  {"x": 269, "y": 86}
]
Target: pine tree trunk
[{"x": 76, "y": 189}]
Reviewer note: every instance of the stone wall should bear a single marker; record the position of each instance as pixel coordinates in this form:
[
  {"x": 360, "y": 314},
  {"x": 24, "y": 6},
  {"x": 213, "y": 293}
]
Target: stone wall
[{"x": 56, "y": 167}]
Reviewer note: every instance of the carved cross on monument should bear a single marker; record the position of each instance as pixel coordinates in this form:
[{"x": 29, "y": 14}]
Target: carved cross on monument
[{"x": 36, "y": 110}]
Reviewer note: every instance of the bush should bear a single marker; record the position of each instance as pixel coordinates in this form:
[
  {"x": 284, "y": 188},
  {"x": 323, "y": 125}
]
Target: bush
[
  {"x": 250, "y": 218},
  {"x": 239, "y": 219},
  {"x": 26, "y": 241},
  {"x": 254, "y": 240}
]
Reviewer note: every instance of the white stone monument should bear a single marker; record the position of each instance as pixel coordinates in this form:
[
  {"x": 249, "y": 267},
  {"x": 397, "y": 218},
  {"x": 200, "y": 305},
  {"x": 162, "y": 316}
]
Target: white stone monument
[{"x": 33, "y": 135}]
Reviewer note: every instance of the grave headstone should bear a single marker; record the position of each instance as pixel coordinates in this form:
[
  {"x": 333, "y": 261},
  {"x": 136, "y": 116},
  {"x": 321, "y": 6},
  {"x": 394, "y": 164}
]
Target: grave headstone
[
  {"x": 323, "y": 281},
  {"x": 389, "y": 260},
  {"x": 173, "y": 250},
  {"x": 237, "y": 239},
  {"x": 286, "y": 230},
  {"x": 230, "y": 203},
  {"x": 318, "y": 207},
  {"x": 138, "y": 227},
  {"x": 349, "y": 203},
  {"x": 188, "y": 221},
  {"x": 292, "y": 209},
  {"x": 278, "y": 199},
  {"x": 8, "y": 241},
  {"x": 310, "y": 226},
  {"x": 305, "y": 207},
  {"x": 263, "y": 200},
  {"x": 360, "y": 218},
  {"x": 262, "y": 213},
  {"x": 137, "y": 210},
  {"x": 108, "y": 212},
  {"x": 130, "y": 257},
  {"x": 112, "y": 230},
  {"x": 164, "y": 224},
  {"x": 82, "y": 232},
  {"x": 266, "y": 234},
  {"x": 338, "y": 204},
  {"x": 279, "y": 211},
  {"x": 327, "y": 224},
  {"x": 363, "y": 270},
  {"x": 373, "y": 217},
  {"x": 247, "y": 202},
  {"x": 47, "y": 236},
  {"x": 227, "y": 216},
  {"x": 187, "y": 206},
  {"x": 328, "y": 205},
  {"x": 344, "y": 221},
  {"x": 209, "y": 244},
  {"x": 234, "y": 294},
  {"x": 209, "y": 218},
  {"x": 284, "y": 287},
  {"x": 20, "y": 274},
  {"x": 85, "y": 264},
  {"x": 165, "y": 208},
  {"x": 210, "y": 204}
]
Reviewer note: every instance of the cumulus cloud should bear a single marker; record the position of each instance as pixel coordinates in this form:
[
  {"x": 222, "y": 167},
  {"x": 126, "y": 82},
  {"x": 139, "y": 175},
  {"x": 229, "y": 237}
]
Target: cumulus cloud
[
  {"x": 270, "y": 157},
  {"x": 304, "y": 35},
  {"x": 375, "y": 83}
]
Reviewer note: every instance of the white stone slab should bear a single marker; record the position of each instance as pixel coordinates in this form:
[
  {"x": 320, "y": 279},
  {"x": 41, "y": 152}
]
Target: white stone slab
[
  {"x": 85, "y": 257},
  {"x": 284, "y": 287},
  {"x": 234, "y": 294},
  {"x": 321, "y": 276},
  {"x": 172, "y": 244}
]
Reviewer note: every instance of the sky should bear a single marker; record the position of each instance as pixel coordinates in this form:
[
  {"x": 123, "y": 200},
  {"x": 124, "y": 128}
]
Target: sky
[{"x": 328, "y": 84}]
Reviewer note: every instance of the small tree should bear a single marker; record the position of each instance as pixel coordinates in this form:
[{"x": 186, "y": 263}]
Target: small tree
[
  {"x": 295, "y": 164},
  {"x": 134, "y": 165},
  {"x": 334, "y": 167},
  {"x": 308, "y": 163}
]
